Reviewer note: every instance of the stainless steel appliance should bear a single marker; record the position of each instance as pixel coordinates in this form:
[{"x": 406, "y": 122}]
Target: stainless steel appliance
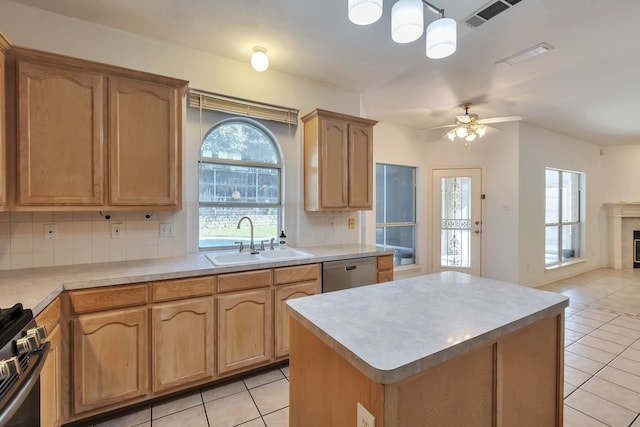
[
  {"x": 22, "y": 355},
  {"x": 350, "y": 273}
]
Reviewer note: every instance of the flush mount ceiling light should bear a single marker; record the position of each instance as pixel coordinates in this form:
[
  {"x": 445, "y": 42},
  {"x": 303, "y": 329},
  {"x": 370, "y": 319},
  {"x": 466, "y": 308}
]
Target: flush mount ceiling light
[
  {"x": 259, "y": 59},
  {"x": 407, "y": 24}
]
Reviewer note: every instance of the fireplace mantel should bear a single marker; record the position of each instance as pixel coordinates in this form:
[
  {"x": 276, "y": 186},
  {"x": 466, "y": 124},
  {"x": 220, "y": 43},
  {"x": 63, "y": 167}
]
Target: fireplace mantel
[{"x": 616, "y": 212}]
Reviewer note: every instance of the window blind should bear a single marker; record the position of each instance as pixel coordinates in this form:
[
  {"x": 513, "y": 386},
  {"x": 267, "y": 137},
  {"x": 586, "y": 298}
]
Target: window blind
[{"x": 243, "y": 107}]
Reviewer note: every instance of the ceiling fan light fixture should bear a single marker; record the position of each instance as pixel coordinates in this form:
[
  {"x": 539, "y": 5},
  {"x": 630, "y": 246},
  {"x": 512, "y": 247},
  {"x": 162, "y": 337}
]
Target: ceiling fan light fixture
[
  {"x": 470, "y": 137},
  {"x": 441, "y": 38},
  {"x": 481, "y": 131},
  {"x": 407, "y": 21},
  {"x": 451, "y": 135},
  {"x": 259, "y": 59},
  {"x": 461, "y": 131},
  {"x": 365, "y": 12}
]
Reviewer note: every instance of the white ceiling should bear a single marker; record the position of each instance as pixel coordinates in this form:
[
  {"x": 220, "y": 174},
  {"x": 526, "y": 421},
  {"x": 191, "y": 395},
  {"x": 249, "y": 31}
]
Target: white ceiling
[{"x": 586, "y": 87}]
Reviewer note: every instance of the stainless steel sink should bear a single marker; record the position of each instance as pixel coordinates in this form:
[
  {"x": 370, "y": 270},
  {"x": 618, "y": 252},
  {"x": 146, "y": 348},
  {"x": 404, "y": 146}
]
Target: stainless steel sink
[{"x": 239, "y": 258}]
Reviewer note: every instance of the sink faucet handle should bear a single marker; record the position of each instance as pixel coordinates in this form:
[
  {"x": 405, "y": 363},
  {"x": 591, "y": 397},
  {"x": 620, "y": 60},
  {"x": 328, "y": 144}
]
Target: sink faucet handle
[
  {"x": 273, "y": 239},
  {"x": 241, "y": 246},
  {"x": 262, "y": 245}
]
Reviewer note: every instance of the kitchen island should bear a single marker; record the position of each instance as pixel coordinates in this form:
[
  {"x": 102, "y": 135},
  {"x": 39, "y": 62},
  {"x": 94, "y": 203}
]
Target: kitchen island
[{"x": 446, "y": 349}]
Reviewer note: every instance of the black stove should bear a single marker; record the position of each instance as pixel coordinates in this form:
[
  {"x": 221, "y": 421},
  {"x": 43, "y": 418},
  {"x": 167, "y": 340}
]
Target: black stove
[{"x": 22, "y": 354}]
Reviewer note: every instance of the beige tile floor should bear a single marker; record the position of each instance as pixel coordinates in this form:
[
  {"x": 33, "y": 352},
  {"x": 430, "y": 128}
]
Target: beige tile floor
[{"x": 602, "y": 368}]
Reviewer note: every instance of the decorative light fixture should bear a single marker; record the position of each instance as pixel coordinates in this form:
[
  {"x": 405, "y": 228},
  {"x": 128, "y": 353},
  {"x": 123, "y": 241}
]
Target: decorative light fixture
[
  {"x": 407, "y": 24},
  {"x": 407, "y": 21},
  {"x": 259, "y": 59},
  {"x": 467, "y": 131},
  {"x": 365, "y": 12}
]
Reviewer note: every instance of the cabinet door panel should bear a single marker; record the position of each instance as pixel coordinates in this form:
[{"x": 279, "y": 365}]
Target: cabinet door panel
[
  {"x": 360, "y": 167},
  {"x": 182, "y": 342},
  {"x": 110, "y": 358},
  {"x": 60, "y": 136},
  {"x": 144, "y": 150},
  {"x": 333, "y": 164},
  {"x": 4, "y": 46},
  {"x": 50, "y": 385},
  {"x": 283, "y": 294},
  {"x": 244, "y": 329}
]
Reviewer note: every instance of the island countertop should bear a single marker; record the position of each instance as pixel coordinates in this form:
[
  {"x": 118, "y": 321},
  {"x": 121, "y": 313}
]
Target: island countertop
[{"x": 394, "y": 330}]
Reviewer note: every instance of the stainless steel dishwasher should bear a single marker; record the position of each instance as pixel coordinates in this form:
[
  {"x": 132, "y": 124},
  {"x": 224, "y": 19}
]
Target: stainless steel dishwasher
[{"x": 350, "y": 273}]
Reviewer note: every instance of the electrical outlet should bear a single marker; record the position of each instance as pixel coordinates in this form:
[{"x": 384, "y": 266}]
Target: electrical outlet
[
  {"x": 167, "y": 230},
  {"x": 117, "y": 231},
  {"x": 365, "y": 419},
  {"x": 331, "y": 222},
  {"x": 50, "y": 232}
]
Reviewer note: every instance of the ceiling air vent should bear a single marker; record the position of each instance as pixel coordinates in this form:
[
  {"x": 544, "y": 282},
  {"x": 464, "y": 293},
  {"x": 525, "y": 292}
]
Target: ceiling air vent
[{"x": 488, "y": 11}]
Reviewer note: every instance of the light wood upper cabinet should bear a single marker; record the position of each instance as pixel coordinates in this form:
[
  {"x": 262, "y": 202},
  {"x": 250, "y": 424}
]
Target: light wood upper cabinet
[
  {"x": 92, "y": 136},
  {"x": 245, "y": 329},
  {"x": 4, "y": 46},
  {"x": 182, "y": 342},
  {"x": 144, "y": 154},
  {"x": 338, "y": 162},
  {"x": 60, "y": 136},
  {"x": 110, "y": 358}
]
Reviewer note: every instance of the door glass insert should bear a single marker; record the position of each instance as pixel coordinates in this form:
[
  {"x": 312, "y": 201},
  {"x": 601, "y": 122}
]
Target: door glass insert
[{"x": 455, "y": 228}]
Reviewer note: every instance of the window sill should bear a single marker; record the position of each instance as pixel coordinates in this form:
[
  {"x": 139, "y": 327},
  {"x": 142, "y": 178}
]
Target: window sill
[
  {"x": 565, "y": 264},
  {"x": 407, "y": 268}
]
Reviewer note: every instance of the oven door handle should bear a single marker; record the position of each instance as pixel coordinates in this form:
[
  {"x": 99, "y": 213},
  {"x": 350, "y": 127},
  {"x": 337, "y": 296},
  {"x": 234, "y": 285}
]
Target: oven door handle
[{"x": 25, "y": 384}]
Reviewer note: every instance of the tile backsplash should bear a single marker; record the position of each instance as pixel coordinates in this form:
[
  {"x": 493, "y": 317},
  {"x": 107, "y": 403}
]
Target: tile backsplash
[{"x": 86, "y": 237}]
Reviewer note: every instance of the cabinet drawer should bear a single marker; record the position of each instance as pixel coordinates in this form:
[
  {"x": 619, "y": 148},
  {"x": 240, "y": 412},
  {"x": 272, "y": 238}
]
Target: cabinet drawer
[
  {"x": 50, "y": 316},
  {"x": 245, "y": 280},
  {"x": 299, "y": 273},
  {"x": 182, "y": 288},
  {"x": 385, "y": 276},
  {"x": 107, "y": 298},
  {"x": 385, "y": 263}
]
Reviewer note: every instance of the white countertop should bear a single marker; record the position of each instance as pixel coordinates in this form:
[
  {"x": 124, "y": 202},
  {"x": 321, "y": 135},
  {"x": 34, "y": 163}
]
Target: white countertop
[
  {"x": 394, "y": 330},
  {"x": 35, "y": 288}
]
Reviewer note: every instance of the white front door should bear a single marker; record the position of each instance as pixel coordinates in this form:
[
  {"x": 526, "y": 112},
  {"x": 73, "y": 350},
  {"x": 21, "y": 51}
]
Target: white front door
[{"x": 457, "y": 220}]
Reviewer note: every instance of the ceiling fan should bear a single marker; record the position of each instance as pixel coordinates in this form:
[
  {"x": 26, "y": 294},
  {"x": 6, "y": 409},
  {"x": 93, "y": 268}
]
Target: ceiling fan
[{"x": 470, "y": 126}]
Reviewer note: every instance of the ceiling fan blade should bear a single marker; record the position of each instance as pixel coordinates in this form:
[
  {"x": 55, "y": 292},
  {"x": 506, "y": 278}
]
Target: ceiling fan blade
[
  {"x": 438, "y": 127},
  {"x": 499, "y": 119}
]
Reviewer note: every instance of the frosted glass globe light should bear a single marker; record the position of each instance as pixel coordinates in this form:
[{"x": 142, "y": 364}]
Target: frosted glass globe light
[
  {"x": 470, "y": 137},
  {"x": 365, "y": 12},
  {"x": 481, "y": 131},
  {"x": 259, "y": 59},
  {"x": 461, "y": 132},
  {"x": 441, "y": 38},
  {"x": 407, "y": 21}
]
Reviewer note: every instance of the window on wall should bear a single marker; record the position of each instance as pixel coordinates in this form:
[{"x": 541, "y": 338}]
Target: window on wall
[
  {"x": 240, "y": 175},
  {"x": 563, "y": 218},
  {"x": 396, "y": 211}
]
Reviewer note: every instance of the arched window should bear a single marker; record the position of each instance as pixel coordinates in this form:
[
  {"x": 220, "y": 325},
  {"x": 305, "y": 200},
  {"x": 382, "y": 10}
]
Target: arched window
[{"x": 240, "y": 175}]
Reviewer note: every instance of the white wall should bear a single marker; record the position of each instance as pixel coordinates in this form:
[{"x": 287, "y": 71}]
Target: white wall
[
  {"x": 621, "y": 173},
  {"x": 82, "y": 236},
  {"x": 540, "y": 148},
  {"x": 497, "y": 153}
]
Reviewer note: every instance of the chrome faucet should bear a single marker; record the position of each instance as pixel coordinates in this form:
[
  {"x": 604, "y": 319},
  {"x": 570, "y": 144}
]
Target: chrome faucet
[{"x": 252, "y": 247}]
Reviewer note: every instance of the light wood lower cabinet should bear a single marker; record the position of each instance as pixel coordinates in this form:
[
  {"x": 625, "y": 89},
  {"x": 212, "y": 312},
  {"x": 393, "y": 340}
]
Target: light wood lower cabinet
[
  {"x": 384, "y": 268},
  {"x": 182, "y": 343},
  {"x": 282, "y": 295},
  {"x": 110, "y": 358},
  {"x": 244, "y": 329},
  {"x": 50, "y": 376}
]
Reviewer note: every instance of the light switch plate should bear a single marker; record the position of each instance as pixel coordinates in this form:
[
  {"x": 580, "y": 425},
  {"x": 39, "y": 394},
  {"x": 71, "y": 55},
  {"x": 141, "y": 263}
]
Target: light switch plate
[{"x": 167, "y": 230}]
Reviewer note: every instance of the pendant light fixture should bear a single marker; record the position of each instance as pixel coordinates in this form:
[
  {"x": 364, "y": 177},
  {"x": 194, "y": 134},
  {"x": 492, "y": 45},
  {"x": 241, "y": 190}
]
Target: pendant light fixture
[
  {"x": 259, "y": 59},
  {"x": 407, "y": 24},
  {"x": 365, "y": 12},
  {"x": 441, "y": 38},
  {"x": 407, "y": 21}
]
